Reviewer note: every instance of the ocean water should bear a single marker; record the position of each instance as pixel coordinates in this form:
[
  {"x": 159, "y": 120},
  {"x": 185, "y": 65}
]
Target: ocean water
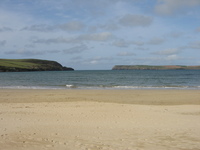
[{"x": 102, "y": 79}]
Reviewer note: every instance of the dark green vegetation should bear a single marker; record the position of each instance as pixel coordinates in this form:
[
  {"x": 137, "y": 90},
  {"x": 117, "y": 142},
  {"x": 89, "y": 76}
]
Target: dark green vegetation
[
  {"x": 20, "y": 65},
  {"x": 146, "y": 67}
]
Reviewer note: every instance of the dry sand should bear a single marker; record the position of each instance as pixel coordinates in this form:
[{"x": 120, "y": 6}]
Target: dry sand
[{"x": 99, "y": 119}]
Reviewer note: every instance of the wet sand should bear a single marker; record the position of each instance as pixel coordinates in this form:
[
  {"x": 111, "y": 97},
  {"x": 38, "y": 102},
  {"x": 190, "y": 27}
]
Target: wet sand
[{"x": 99, "y": 119}]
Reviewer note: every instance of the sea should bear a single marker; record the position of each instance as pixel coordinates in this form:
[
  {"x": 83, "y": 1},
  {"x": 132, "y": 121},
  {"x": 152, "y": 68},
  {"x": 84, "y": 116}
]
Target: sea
[{"x": 102, "y": 79}]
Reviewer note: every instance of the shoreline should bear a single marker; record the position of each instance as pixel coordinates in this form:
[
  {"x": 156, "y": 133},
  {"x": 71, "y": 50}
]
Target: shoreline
[
  {"x": 75, "y": 87},
  {"x": 143, "y": 97}
]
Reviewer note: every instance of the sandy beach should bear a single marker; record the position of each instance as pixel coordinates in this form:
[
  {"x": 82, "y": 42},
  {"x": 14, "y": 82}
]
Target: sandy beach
[{"x": 99, "y": 119}]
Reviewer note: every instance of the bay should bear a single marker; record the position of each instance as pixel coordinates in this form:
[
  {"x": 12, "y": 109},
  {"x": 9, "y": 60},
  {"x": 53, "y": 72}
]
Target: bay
[{"x": 102, "y": 79}]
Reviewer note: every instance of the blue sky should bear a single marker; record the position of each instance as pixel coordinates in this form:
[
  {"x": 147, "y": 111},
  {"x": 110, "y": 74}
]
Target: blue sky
[{"x": 98, "y": 34}]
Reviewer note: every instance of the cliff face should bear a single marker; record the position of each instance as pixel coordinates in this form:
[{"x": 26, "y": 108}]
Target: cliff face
[
  {"x": 146, "y": 67},
  {"x": 20, "y": 65}
]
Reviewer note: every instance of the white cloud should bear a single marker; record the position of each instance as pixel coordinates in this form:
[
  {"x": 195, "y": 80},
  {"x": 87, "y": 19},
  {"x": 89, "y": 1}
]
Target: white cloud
[
  {"x": 176, "y": 34},
  {"x": 125, "y": 54},
  {"x": 3, "y": 43},
  {"x": 57, "y": 40},
  {"x": 98, "y": 60},
  {"x": 156, "y": 41},
  {"x": 169, "y": 7},
  {"x": 171, "y": 51},
  {"x": 103, "y": 36},
  {"x": 138, "y": 43},
  {"x": 121, "y": 43},
  {"x": 72, "y": 26},
  {"x": 100, "y": 37},
  {"x": 172, "y": 57},
  {"x": 132, "y": 20},
  {"x": 198, "y": 29},
  {"x": 5, "y": 29},
  {"x": 141, "y": 48},
  {"x": 53, "y": 51},
  {"x": 76, "y": 49},
  {"x": 110, "y": 26},
  {"x": 94, "y": 62},
  {"x": 39, "y": 28},
  {"x": 26, "y": 52},
  {"x": 195, "y": 45},
  {"x": 11, "y": 20},
  {"x": 84, "y": 8},
  {"x": 69, "y": 26}
]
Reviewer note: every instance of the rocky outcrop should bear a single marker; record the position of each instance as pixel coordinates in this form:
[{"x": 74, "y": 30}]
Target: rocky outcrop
[
  {"x": 146, "y": 67},
  {"x": 20, "y": 65}
]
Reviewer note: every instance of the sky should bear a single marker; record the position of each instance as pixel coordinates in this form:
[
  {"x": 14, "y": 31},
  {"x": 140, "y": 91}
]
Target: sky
[{"x": 98, "y": 34}]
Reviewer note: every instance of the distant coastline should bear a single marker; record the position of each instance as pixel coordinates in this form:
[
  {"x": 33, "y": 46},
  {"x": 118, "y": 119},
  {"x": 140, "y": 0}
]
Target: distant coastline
[
  {"x": 22, "y": 65},
  {"x": 147, "y": 67}
]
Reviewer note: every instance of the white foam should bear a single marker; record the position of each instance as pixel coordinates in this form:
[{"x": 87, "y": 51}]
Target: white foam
[{"x": 70, "y": 86}]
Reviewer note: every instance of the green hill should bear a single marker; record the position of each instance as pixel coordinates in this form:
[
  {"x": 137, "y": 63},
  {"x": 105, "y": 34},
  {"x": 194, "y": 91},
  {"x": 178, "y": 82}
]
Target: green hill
[
  {"x": 146, "y": 67},
  {"x": 20, "y": 65}
]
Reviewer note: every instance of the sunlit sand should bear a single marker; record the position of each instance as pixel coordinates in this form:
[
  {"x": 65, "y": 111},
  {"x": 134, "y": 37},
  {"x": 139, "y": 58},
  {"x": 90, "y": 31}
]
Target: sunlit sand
[{"x": 99, "y": 119}]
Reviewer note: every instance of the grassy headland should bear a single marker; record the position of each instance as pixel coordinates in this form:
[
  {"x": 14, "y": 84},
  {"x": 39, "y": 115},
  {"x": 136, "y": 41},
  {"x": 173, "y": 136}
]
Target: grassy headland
[
  {"x": 146, "y": 67},
  {"x": 18, "y": 65}
]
